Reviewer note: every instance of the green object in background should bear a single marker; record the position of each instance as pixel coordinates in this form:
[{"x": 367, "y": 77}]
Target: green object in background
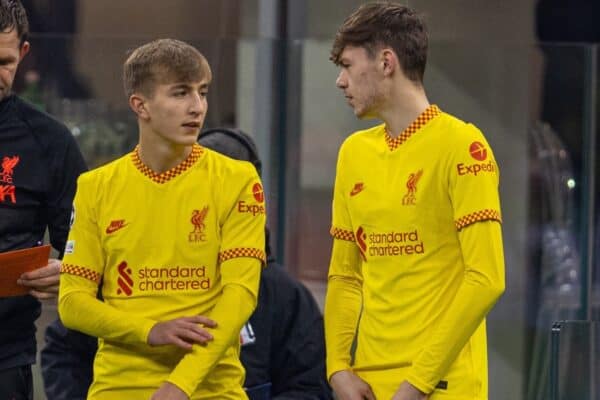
[{"x": 32, "y": 91}]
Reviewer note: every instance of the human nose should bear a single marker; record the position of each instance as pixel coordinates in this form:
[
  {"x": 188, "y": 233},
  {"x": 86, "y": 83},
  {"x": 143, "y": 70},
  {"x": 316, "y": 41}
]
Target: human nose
[
  {"x": 198, "y": 104},
  {"x": 341, "y": 81}
]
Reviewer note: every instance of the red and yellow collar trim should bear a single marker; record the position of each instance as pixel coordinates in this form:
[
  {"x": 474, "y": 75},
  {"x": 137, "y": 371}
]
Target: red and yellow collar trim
[
  {"x": 430, "y": 113},
  {"x": 166, "y": 176}
]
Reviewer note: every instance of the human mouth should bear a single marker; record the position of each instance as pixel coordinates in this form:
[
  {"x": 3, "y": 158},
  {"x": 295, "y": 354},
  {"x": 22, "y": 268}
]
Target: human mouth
[{"x": 192, "y": 124}]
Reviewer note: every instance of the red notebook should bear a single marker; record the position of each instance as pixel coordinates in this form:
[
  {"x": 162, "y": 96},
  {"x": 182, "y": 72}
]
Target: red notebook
[{"x": 14, "y": 263}]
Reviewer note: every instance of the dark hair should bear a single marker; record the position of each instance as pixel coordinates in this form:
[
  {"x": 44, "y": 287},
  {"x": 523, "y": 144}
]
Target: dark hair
[
  {"x": 163, "y": 61},
  {"x": 236, "y": 144},
  {"x": 14, "y": 16},
  {"x": 233, "y": 143},
  {"x": 376, "y": 25}
]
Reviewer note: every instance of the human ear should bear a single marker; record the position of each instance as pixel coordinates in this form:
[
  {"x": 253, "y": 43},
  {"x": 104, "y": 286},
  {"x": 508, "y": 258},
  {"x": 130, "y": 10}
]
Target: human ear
[
  {"x": 389, "y": 61},
  {"x": 23, "y": 50},
  {"x": 138, "y": 105}
]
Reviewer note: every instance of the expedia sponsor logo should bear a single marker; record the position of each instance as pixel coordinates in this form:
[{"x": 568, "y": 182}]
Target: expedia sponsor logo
[
  {"x": 394, "y": 243},
  {"x": 475, "y": 169},
  {"x": 258, "y": 193},
  {"x": 478, "y": 151},
  {"x": 177, "y": 278},
  {"x": 254, "y": 209}
]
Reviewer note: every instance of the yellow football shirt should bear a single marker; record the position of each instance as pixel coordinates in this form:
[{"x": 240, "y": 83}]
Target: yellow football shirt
[
  {"x": 418, "y": 253},
  {"x": 164, "y": 246}
]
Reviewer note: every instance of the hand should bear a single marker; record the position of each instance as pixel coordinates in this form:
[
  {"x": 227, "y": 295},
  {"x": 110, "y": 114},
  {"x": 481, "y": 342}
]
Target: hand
[
  {"x": 406, "y": 391},
  {"x": 42, "y": 281},
  {"x": 348, "y": 386},
  {"x": 181, "y": 332},
  {"x": 168, "y": 391}
]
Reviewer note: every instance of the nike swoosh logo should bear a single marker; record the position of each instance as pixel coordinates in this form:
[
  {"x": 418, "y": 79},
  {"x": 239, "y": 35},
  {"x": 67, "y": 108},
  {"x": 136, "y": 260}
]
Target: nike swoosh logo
[
  {"x": 115, "y": 226},
  {"x": 359, "y": 187}
]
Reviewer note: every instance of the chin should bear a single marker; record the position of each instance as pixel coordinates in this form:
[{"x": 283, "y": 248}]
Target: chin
[
  {"x": 363, "y": 115},
  {"x": 186, "y": 141}
]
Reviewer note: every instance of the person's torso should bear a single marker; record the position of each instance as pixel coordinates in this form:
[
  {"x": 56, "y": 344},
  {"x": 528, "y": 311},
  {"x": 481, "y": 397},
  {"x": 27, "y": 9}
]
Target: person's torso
[
  {"x": 160, "y": 238},
  {"x": 403, "y": 222},
  {"x": 28, "y": 138}
]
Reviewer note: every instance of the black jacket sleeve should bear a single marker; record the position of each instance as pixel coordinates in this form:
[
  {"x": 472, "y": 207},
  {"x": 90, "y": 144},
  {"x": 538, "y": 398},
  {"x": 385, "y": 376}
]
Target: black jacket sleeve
[
  {"x": 67, "y": 363},
  {"x": 297, "y": 361},
  {"x": 70, "y": 164}
]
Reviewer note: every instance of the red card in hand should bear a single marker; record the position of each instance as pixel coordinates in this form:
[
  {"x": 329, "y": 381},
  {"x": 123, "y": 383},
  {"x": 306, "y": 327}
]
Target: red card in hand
[{"x": 14, "y": 263}]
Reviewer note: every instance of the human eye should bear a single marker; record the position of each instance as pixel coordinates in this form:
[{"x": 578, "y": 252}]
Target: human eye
[{"x": 6, "y": 61}]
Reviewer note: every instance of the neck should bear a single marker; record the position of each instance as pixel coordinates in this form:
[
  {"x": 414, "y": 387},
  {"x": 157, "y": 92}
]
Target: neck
[
  {"x": 405, "y": 105},
  {"x": 160, "y": 155}
]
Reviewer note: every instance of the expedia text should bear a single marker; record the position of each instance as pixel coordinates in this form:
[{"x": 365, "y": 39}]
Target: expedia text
[
  {"x": 253, "y": 209},
  {"x": 474, "y": 169}
]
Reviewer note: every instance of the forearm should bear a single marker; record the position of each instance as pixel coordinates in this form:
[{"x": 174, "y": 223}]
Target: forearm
[
  {"x": 232, "y": 310},
  {"x": 482, "y": 286},
  {"x": 82, "y": 311},
  {"x": 342, "y": 310}
]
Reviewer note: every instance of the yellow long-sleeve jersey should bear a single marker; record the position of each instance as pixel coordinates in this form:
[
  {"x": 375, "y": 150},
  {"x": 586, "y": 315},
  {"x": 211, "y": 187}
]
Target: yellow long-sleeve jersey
[
  {"x": 186, "y": 242},
  {"x": 417, "y": 260}
]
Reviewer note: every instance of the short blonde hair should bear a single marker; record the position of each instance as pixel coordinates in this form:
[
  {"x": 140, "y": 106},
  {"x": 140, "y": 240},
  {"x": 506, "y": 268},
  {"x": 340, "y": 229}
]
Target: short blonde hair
[{"x": 163, "y": 61}]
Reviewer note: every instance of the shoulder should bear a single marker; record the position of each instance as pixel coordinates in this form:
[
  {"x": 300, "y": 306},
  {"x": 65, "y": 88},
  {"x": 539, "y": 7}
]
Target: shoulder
[
  {"x": 103, "y": 174},
  {"x": 42, "y": 122},
  {"x": 228, "y": 168},
  {"x": 361, "y": 138},
  {"x": 459, "y": 131}
]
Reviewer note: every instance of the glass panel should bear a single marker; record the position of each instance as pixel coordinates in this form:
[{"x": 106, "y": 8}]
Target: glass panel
[
  {"x": 528, "y": 102},
  {"x": 575, "y": 360}
]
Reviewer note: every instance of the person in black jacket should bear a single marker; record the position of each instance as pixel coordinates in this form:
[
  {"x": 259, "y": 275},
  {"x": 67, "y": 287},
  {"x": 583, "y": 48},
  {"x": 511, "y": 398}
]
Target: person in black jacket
[
  {"x": 283, "y": 348},
  {"x": 39, "y": 166}
]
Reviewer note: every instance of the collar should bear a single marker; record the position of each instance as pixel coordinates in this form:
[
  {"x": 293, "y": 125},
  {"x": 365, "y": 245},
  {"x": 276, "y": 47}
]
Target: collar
[{"x": 430, "y": 113}]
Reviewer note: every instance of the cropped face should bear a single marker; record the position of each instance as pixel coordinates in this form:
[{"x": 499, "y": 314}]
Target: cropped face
[
  {"x": 175, "y": 112},
  {"x": 11, "y": 53},
  {"x": 360, "y": 80}
]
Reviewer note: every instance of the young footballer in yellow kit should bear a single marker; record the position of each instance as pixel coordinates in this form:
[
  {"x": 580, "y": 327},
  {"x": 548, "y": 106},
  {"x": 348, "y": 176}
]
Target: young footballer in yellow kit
[
  {"x": 168, "y": 230},
  {"x": 417, "y": 260}
]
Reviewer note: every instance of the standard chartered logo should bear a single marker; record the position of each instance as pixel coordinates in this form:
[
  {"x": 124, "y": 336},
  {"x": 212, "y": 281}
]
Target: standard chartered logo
[
  {"x": 173, "y": 278},
  {"x": 394, "y": 243}
]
